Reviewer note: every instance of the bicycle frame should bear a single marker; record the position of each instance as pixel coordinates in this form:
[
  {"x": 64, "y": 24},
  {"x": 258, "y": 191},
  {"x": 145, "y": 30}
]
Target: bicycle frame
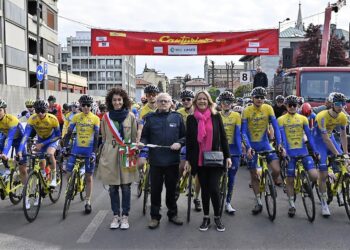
[
  {"x": 6, "y": 186},
  {"x": 335, "y": 186}
]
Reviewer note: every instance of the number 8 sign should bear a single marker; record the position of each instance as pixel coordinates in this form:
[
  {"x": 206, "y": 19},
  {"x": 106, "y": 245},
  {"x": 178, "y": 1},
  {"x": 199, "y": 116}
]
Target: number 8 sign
[{"x": 245, "y": 77}]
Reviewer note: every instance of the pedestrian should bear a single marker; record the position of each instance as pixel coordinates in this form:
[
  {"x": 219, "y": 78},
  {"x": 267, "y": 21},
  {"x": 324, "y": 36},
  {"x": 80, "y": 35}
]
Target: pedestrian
[
  {"x": 118, "y": 129},
  {"x": 205, "y": 132},
  {"x": 166, "y": 129},
  {"x": 260, "y": 78}
]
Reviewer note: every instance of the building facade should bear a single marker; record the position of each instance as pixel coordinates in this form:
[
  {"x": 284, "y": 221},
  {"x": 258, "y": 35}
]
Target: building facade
[
  {"x": 196, "y": 84},
  {"x": 19, "y": 38},
  {"x": 102, "y": 72},
  {"x": 175, "y": 86},
  {"x": 155, "y": 78}
]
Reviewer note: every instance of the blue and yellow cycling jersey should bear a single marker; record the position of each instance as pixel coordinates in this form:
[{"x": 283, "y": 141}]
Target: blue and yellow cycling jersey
[
  {"x": 184, "y": 114},
  {"x": 12, "y": 130},
  {"x": 67, "y": 119},
  {"x": 232, "y": 124},
  {"x": 325, "y": 123},
  {"x": 144, "y": 111},
  {"x": 87, "y": 126},
  {"x": 255, "y": 123},
  {"x": 292, "y": 128}
]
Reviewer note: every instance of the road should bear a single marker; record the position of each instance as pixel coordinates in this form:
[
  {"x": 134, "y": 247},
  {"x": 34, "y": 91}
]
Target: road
[{"x": 243, "y": 231}]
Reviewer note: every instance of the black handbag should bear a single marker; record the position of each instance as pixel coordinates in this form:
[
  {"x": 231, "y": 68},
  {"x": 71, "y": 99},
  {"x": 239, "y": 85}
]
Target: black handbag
[{"x": 213, "y": 159}]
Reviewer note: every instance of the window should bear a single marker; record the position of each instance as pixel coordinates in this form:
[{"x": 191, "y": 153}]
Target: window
[
  {"x": 109, "y": 86},
  {"x": 51, "y": 19},
  {"x": 92, "y": 86},
  {"x": 51, "y": 58},
  {"x": 101, "y": 87}
]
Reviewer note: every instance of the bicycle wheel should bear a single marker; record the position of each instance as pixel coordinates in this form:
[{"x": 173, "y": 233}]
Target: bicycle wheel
[
  {"x": 55, "y": 193},
  {"x": 69, "y": 194},
  {"x": 270, "y": 195},
  {"x": 83, "y": 192},
  {"x": 223, "y": 188},
  {"x": 146, "y": 192},
  {"x": 31, "y": 193},
  {"x": 307, "y": 196},
  {"x": 15, "y": 183},
  {"x": 346, "y": 194},
  {"x": 140, "y": 185},
  {"x": 189, "y": 198}
]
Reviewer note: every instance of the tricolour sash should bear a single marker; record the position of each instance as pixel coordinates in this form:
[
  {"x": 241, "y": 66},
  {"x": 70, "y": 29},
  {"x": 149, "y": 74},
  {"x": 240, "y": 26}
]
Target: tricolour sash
[{"x": 114, "y": 130}]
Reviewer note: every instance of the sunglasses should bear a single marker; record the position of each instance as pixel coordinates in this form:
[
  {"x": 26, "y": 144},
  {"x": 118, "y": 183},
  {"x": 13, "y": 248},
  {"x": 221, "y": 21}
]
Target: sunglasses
[
  {"x": 227, "y": 102},
  {"x": 186, "y": 99},
  {"x": 294, "y": 105},
  {"x": 151, "y": 94},
  {"x": 86, "y": 105},
  {"x": 29, "y": 107},
  {"x": 339, "y": 104},
  {"x": 163, "y": 101},
  {"x": 260, "y": 97},
  {"x": 42, "y": 111}
]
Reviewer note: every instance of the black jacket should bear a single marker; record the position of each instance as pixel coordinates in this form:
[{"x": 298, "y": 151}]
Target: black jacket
[
  {"x": 279, "y": 110},
  {"x": 260, "y": 80},
  {"x": 192, "y": 147},
  {"x": 163, "y": 129}
]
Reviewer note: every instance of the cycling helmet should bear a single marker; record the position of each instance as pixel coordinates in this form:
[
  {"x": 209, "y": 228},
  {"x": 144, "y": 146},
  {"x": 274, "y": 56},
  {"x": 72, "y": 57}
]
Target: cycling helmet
[
  {"x": 240, "y": 101},
  {"x": 86, "y": 99},
  {"x": 291, "y": 99},
  {"x": 3, "y": 104},
  {"x": 306, "y": 109},
  {"x": 65, "y": 106},
  {"x": 143, "y": 99},
  {"x": 75, "y": 104},
  {"x": 258, "y": 91},
  {"x": 30, "y": 103},
  {"x": 186, "y": 94},
  {"x": 51, "y": 98},
  {"x": 102, "y": 107},
  {"x": 301, "y": 100},
  {"x": 41, "y": 104},
  {"x": 238, "y": 109},
  {"x": 226, "y": 96},
  {"x": 279, "y": 98},
  {"x": 151, "y": 89},
  {"x": 336, "y": 97},
  {"x": 94, "y": 108}
]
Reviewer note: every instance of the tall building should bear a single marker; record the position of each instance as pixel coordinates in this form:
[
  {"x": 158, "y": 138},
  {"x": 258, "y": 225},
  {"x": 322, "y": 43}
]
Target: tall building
[
  {"x": 102, "y": 72},
  {"x": 18, "y": 42}
]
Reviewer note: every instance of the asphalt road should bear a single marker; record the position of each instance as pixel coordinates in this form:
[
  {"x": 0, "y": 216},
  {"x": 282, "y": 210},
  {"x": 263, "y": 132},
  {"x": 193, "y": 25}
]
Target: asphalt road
[{"x": 243, "y": 230}]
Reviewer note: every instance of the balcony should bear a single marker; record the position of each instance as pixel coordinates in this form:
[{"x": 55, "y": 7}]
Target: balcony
[
  {"x": 92, "y": 66},
  {"x": 102, "y": 79},
  {"x": 102, "y": 66}
]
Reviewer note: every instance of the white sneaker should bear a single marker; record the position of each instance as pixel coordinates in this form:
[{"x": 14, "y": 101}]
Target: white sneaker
[
  {"x": 53, "y": 183},
  {"x": 115, "y": 222},
  {"x": 325, "y": 210},
  {"x": 27, "y": 204},
  {"x": 124, "y": 223},
  {"x": 229, "y": 209}
]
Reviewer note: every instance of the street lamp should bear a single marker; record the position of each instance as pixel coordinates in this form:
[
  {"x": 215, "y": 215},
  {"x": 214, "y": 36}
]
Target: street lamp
[{"x": 279, "y": 25}]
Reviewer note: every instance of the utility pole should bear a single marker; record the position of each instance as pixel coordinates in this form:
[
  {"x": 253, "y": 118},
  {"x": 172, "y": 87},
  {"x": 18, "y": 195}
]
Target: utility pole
[
  {"x": 227, "y": 75},
  {"x": 38, "y": 10},
  {"x": 232, "y": 66},
  {"x": 212, "y": 72},
  {"x": 67, "y": 84}
]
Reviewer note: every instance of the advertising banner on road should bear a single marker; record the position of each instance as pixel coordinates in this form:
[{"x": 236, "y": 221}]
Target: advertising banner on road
[{"x": 117, "y": 42}]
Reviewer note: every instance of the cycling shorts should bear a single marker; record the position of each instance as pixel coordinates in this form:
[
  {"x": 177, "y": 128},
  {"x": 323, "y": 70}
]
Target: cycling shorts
[
  {"x": 307, "y": 161},
  {"x": 183, "y": 154},
  {"x": 89, "y": 166},
  {"x": 253, "y": 163},
  {"x": 144, "y": 153}
]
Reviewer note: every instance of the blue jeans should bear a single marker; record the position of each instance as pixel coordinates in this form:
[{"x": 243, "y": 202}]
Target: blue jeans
[{"x": 115, "y": 200}]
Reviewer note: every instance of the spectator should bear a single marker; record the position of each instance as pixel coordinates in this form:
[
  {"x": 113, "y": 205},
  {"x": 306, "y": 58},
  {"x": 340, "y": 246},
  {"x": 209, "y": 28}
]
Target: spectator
[
  {"x": 279, "y": 108},
  {"x": 260, "y": 79},
  {"x": 56, "y": 110}
]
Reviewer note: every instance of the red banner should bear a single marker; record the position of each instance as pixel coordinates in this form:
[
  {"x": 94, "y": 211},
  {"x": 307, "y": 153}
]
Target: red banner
[{"x": 118, "y": 42}]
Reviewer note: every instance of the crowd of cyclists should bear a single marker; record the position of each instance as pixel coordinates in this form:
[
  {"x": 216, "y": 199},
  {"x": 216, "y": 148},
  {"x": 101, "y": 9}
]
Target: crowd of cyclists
[{"x": 254, "y": 124}]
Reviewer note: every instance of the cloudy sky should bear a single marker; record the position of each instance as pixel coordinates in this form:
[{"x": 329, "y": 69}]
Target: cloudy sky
[{"x": 187, "y": 16}]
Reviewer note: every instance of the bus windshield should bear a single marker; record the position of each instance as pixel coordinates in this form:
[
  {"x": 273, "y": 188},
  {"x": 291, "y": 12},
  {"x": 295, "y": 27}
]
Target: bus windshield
[{"x": 316, "y": 86}]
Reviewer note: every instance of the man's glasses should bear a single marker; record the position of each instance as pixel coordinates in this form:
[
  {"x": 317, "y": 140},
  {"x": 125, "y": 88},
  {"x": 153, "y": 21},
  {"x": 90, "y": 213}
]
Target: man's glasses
[
  {"x": 259, "y": 97},
  {"x": 186, "y": 99},
  {"x": 151, "y": 94},
  {"x": 163, "y": 101},
  {"x": 294, "y": 105},
  {"x": 227, "y": 102},
  {"x": 339, "y": 104},
  {"x": 86, "y": 105},
  {"x": 42, "y": 111},
  {"x": 29, "y": 107}
]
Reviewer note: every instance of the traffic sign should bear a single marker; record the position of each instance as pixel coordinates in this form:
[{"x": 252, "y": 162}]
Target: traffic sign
[
  {"x": 39, "y": 72},
  {"x": 46, "y": 66},
  {"x": 244, "y": 77}
]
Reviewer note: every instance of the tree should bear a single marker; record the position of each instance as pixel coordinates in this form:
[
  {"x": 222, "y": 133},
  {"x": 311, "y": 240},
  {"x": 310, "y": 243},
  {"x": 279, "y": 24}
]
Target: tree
[
  {"x": 186, "y": 78},
  {"x": 243, "y": 89},
  {"x": 310, "y": 50},
  {"x": 214, "y": 93},
  {"x": 160, "y": 86}
]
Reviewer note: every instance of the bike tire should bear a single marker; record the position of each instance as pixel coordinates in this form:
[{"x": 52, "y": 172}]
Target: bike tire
[
  {"x": 189, "y": 198},
  {"x": 146, "y": 193},
  {"x": 15, "y": 181},
  {"x": 346, "y": 194},
  {"x": 223, "y": 189},
  {"x": 69, "y": 194},
  {"x": 307, "y": 195},
  {"x": 82, "y": 194},
  {"x": 32, "y": 182},
  {"x": 270, "y": 195},
  {"x": 140, "y": 186},
  {"x": 55, "y": 193}
]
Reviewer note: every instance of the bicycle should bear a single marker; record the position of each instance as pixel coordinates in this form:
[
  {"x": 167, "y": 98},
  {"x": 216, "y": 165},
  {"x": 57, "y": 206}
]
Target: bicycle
[
  {"x": 37, "y": 187},
  {"x": 223, "y": 191},
  {"x": 266, "y": 184},
  {"x": 11, "y": 186},
  {"x": 302, "y": 185},
  {"x": 76, "y": 183},
  {"x": 146, "y": 184}
]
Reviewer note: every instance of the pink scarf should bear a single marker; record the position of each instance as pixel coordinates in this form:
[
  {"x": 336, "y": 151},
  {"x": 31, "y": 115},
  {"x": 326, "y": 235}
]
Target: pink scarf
[{"x": 205, "y": 132}]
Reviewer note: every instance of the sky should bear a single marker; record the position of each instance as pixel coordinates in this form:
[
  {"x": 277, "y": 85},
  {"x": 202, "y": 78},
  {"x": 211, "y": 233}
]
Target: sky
[{"x": 187, "y": 16}]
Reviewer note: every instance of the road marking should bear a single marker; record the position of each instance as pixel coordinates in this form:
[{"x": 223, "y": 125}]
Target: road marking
[{"x": 91, "y": 229}]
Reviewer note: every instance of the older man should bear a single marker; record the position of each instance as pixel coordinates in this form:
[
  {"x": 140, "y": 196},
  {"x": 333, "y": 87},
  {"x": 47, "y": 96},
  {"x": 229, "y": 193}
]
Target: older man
[
  {"x": 165, "y": 129},
  {"x": 260, "y": 79}
]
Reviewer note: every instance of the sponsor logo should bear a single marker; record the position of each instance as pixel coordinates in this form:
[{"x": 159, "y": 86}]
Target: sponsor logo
[
  {"x": 187, "y": 40},
  {"x": 254, "y": 44},
  {"x": 103, "y": 44},
  {"x": 251, "y": 50},
  {"x": 101, "y": 39},
  {"x": 264, "y": 50},
  {"x": 121, "y": 34},
  {"x": 182, "y": 50},
  {"x": 158, "y": 50}
]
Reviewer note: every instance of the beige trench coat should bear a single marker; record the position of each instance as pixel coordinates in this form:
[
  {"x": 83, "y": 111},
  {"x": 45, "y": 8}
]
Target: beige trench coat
[{"x": 109, "y": 169}]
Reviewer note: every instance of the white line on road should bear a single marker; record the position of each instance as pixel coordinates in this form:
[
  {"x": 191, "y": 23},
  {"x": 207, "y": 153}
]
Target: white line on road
[{"x": 90, "y": 231}]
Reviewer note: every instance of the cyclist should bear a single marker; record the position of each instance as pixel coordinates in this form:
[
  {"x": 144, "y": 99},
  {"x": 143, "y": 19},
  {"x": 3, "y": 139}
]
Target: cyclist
[
  {"x": 47, "y": 129},
  {"x": 56, "y": 110},
  {"x": 29, "y": 111},
  {"x": 150, "y": 107},
  {"x": 255, "y": 123},
  {"x": 292, "y": 127},
  {"x": 232, "y": 125},
  {"x": 69, "y": 116},
  {"x": 279, "y": 107},
  {"x": 326, "y": 122},
  {"x": 12, "y": 134},
  {"x": 306, "y": 110},
  {"x": 87, "y": 127},
  {"x": 187, "y": 102}
]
